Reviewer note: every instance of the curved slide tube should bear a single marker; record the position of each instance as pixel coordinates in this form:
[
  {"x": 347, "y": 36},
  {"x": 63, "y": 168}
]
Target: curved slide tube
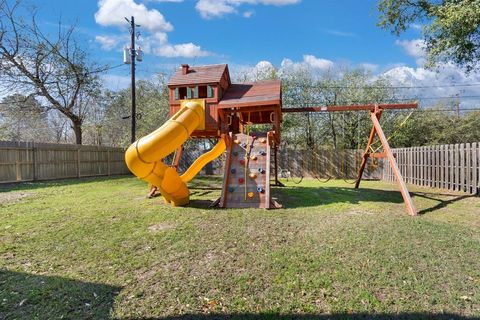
[
  {"x": 144, "y": 157},
  {"x": 205, "y": 158}
]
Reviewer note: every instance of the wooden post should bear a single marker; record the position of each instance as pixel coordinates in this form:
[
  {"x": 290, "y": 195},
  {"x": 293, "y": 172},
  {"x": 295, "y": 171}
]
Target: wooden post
[
  {"x": 34, "y": 158},
  {"x": 108, "y": 162},
  {"x": 78, "y": 163},
  {"x": 393, "y": 163},
  {"x": 18, "y": 168},
  {"x": 177, "y": 157},
  {"x": 275, "y": 160},
  {"x": 226, "y": 177}
]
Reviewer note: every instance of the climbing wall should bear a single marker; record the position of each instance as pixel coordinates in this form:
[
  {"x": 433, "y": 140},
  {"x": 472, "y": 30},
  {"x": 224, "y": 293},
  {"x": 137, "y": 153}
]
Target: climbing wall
[{"x": 246, "y": 182}]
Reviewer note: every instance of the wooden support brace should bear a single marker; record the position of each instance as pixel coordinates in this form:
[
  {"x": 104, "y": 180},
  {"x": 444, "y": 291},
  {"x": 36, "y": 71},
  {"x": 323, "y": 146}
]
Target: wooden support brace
[
  {"x": 177, "y": 157},
  {"x": 393, "y": 164}
]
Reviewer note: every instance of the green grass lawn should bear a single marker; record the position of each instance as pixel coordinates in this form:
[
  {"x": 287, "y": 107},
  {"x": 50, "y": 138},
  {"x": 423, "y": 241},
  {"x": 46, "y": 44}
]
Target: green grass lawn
[{"x": 98, "y": 249}]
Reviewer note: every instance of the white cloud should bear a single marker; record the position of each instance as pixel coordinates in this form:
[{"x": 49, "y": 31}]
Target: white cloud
[
  {"x": 309, "y": 62},
  {"x": 415, "y": 48},
  {"x": 318, "y": 63},
  {"x": 187, "y": 50},
  {"x": 247, "y": 14},
  {"x": 109, "y": 42},
  {"x": 217, "y": 8},
  {"x": 113, "y": 13},
  {"x": 154, "y": 27},
  {"x": 435, "y": 85}
]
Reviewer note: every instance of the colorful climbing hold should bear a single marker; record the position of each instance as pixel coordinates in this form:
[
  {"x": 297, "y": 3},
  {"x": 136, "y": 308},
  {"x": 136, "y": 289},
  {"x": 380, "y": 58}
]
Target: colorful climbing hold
[
  {"x": 252, "y": 175},
  {"x": 250, "y": 194},
  {"x": 263, "y": 140},
  {"x": 241, "y": 180},
  {"x": 244, "y": 145},
  {"x": 231, "y": 189},
  {"x": 242, "y": 162},
  {"x": 233, "y": 171},
  {"x": 262, "y": 153},
  {"x": 235, "y": 153},
  {"x": 262, "y": 171},
  {"x": 236, "y": 141},
  {"x": 260, "y": 190},
  {"x": 253, "y": 157}
]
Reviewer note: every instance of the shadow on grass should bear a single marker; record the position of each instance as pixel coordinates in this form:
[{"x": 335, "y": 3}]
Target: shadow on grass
[
  {"x": 442, "y": 203},
  {"x": 6, "y": 187},
  {"x": 300, "y": 197},
  {"x": 28, "y": 296},
  {"x": 334, "y": 316}
]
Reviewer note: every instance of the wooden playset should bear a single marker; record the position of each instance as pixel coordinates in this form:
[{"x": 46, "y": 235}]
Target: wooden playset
[{"x": 205, "y": 104}]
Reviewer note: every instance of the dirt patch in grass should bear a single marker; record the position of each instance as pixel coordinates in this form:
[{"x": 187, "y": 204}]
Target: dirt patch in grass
[
  {"x": 11, "y": 197},
  {"x": 160, "y": 227}
]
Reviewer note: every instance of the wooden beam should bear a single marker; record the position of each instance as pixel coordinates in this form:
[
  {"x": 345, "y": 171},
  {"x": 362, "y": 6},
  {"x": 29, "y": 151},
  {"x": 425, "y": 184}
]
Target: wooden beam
[
  {"x": 377, "y": 155},
  {"x": 393, "y": 163},
  {"x": 367, "y": 107},
  {"x": 226, "y": 175}
]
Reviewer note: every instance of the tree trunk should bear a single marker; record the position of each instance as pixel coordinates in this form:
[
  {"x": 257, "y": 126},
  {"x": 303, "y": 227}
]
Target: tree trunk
[{"x": 77, "y": 129}]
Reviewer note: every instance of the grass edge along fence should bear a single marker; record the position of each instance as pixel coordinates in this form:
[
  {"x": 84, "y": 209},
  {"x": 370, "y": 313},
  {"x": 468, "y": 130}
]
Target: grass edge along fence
[
  {"x": 327, "y": 163},
  {"x": 30, "y": 161},
  {"x": 454, "y": 166}
]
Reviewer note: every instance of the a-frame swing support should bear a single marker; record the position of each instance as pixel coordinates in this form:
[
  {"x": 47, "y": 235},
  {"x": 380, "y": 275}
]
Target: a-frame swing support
[{"x": 375, "y": 111}]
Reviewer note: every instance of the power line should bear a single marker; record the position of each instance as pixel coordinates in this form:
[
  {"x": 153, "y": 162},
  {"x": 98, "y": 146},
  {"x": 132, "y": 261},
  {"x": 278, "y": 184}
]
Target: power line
[
  {"x": 105, "y": 69},
  {"x": 453, "y": 85}
]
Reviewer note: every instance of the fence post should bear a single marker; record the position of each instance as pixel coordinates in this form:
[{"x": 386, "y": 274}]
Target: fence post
[
  {"x": 474, "y": 169},
  {"x": 18, "y": 172},
  {"x": 462, "y": 167},
  {"x": 34, "y": 162},
  {"x": 468, "y": 168},
  {"x": 108, "y": 162},
  {"x": 78, "y": 162}
]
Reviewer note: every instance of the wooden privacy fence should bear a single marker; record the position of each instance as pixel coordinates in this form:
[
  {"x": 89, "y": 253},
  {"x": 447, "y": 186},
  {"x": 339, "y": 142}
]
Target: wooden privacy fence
[
  {"x": 454, "y": 167},
  {"x": 22, "y": 161},
  {"x": 327, "y": 163}
]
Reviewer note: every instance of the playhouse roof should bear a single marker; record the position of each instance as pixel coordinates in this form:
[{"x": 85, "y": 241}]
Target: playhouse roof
[
  {"x": 260, "y": 93},
  {"x": 199, "y": 75}
]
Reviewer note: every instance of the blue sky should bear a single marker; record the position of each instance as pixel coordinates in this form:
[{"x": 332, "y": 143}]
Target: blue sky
[
  {"x": 335, "y": 30},
  {"x": 319, "y": 33}
]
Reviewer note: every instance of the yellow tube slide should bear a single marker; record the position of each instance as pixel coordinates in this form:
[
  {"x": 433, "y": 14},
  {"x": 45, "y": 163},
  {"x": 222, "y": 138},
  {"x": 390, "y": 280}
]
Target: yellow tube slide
[
  {"x": 205, "y": 158},
  {"x": 144, "y": 157}
]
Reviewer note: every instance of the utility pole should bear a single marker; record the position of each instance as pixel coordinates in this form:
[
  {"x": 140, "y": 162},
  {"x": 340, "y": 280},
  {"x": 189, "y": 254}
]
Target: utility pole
[
  {"x": 132, "y": 54},
  {"x": 129, "y": 58}
]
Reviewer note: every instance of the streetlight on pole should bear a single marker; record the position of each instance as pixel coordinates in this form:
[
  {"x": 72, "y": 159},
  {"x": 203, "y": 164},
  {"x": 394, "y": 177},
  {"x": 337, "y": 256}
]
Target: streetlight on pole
[{"x": 129, "y": 56}]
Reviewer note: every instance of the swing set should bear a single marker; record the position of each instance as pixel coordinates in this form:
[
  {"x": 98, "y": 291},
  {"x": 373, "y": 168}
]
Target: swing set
[{"x": 383, "y": 150}]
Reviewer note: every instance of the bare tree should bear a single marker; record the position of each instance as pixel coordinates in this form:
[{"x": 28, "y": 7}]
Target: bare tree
[{"x": 53, "y": 67}]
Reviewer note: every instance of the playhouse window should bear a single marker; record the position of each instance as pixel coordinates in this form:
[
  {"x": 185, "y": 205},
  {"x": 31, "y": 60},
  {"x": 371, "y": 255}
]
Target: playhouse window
[
  {"x": 182, "y": 93},
  {"x": 202, "y": 92}
]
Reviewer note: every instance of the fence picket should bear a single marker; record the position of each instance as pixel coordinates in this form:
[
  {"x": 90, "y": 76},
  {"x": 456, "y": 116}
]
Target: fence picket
[
  {"x": 462, "y": 167},
  {"x": 474, "y": 168},
  {"x": 468, "y": 168}
]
